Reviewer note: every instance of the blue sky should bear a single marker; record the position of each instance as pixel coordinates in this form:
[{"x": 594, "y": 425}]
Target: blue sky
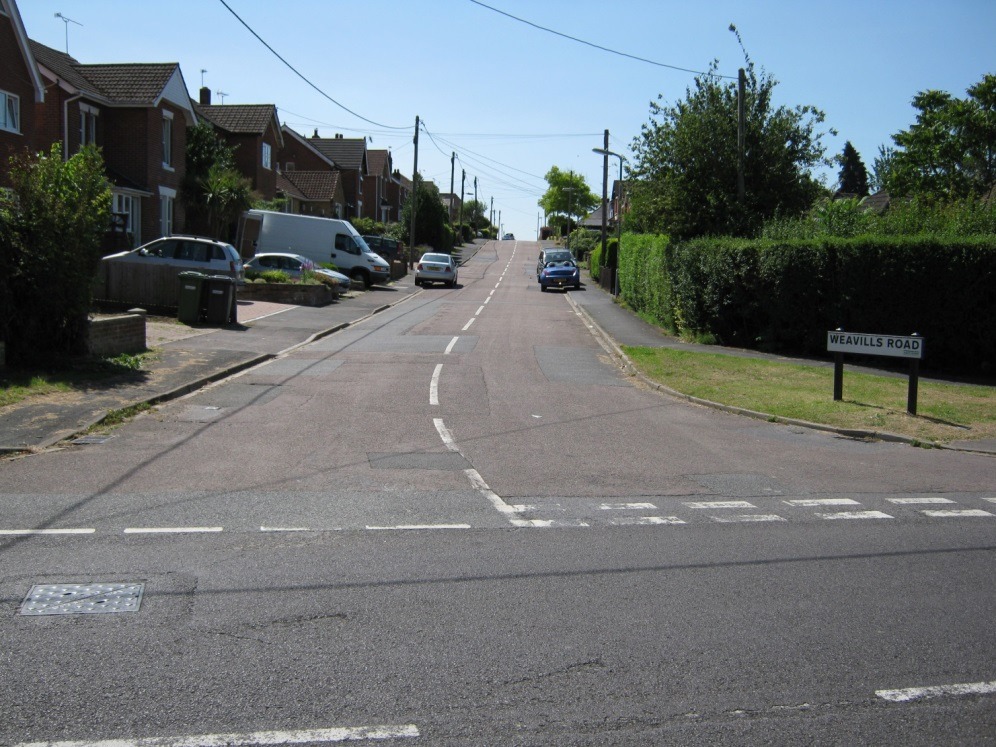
[{"x": 513, "y": 100}]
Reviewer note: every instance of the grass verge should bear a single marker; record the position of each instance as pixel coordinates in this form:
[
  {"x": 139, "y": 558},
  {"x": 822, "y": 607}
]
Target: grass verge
[
  {"x": 945, "y": 412},
  {"x": 70, "y": 375}
]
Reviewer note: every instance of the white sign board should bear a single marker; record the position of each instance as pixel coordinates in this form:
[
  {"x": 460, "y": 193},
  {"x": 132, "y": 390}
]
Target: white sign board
[{"x": 894, "y": 346}]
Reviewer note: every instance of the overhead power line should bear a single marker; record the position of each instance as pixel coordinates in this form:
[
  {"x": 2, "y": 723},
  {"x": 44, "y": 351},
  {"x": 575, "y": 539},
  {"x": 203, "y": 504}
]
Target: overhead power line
[
  {"x": 301, "y": 75},
  {"x": 598, "y": 46}
]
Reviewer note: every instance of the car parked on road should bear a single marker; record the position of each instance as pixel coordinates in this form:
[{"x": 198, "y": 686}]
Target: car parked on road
[
  {"x": 294, "y": 265},
  {"x": 436, "y": 268},
  {"x": 385, "y": 246},
  {"x": 187, "y": 253},
  {"x": 556, "y": 268},
  {"x": 508, "y": 237}
]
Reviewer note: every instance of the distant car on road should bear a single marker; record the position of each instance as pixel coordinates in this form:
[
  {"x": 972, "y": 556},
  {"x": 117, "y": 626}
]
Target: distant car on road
[
  {"x": 556, "y": 268},
  {"x": 436, "y": 268},
  {"x": 508, "y": 237},
  {"x": 294, "y": 265},
  {"x": 187, "y": 253}
]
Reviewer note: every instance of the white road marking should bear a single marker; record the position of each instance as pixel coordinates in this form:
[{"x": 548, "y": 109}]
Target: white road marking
[
  {"x": 625, "y": 506},
  {"x": 823, "y": 502},
  {"x": 955, "y": 513},
  {"x": 482, "y": 487},
  {"x": 445, "y": 435},
  {"x": 467, "y": 325},
  {"x": 424, "y": 526},
  {"x": 27, "y": 532},
  {"x": 449, "y": 348},
  {"x": 921, "y": 693},
  {"x": 546, "y": 523},
  {"x": 645, "y": 520},
  {"x": 856, "y": 515},
  {"x": 744, "y": 518},
  {"x": 479, "y": 310},
  {"x": 171, "y": 530},
  {"x": 917, "y": 501},
  {"x": 487, "y": 299},
  {"x": 720, "y": 504},
  {"x": 991, "y": 500},
  {"x": 299, "y": 736},
  {"x": 434, "y": 385}
]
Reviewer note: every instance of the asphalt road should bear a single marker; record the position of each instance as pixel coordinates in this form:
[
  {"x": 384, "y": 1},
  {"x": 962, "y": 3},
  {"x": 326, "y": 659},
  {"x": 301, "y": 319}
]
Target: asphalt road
[{"x": 459, "y": 523}]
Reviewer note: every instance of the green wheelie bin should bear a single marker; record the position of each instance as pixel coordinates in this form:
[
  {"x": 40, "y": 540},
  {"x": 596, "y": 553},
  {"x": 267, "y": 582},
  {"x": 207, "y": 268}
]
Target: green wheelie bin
[{"x": 191, "y": 303}]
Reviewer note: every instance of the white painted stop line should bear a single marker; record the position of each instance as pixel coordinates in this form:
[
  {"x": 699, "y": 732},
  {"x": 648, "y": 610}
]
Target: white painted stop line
[
  {"x": 938, "y": 691},
  {"x": 302, "y": 736}
]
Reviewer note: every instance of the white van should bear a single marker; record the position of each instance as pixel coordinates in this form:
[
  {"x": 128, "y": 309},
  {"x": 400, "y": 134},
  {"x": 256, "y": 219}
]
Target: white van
[{"x": 319, "y": 239}]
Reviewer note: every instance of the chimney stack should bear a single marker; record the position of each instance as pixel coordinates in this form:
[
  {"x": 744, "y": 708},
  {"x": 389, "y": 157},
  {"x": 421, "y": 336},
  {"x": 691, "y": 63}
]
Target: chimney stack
[{"x": 205, "y": 96}]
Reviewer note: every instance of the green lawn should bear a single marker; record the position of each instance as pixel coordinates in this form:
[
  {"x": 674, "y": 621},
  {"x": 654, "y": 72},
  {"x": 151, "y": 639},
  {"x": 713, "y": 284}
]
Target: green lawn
[{"x": 945, "y": 412}]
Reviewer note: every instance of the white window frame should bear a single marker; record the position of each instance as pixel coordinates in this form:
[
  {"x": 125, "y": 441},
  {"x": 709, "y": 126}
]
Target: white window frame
[
  {"x": 168, "y": 141},
  {"x": 267, "y": 156},
  {"x": 10, "y": 108},
  {"x": 130, "y": 206},
  {"x": 167, "y": 198},
  {"x": 88, "y": 124}
]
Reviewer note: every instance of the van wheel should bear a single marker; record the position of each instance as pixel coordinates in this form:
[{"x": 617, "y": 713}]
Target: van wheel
[{"x": 361, "y": 277}]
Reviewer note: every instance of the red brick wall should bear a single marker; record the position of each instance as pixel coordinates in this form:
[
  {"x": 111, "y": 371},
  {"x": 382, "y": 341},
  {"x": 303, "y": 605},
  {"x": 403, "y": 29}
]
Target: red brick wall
[{"x": 15, "y": 79}]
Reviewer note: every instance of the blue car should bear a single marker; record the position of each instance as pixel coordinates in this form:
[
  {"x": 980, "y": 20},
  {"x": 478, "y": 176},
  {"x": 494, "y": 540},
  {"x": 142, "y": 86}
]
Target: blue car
[{"x": 557, "y": 269}]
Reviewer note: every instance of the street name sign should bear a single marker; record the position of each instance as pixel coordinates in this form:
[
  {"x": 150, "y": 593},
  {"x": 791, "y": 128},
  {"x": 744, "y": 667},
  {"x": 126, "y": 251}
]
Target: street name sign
[{"x": 895, "y": 346}]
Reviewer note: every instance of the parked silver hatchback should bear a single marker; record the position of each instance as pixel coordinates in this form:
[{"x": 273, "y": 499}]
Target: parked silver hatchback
[{"x": 187, "y": 253}]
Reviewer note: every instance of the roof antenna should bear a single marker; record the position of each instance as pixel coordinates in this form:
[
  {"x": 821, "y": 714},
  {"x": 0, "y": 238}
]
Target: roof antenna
[
  {"x": 222, "y": 95},
  {"x": 67, "y": 21},
  {"x": 202, "y": 77}
]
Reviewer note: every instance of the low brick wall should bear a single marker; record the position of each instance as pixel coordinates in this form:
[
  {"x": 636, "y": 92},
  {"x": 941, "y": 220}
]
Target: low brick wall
[
  {"x": 113, "y": 335},
  {"x": 291, "y": 293}
]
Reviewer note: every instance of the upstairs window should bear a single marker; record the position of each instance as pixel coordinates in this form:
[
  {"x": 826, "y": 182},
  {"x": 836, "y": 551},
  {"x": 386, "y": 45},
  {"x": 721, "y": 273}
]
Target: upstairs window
[
  {"x": 168, "y": 140},
  {"x": 267, "y": 155},
  {"x": 88, "y": 125},
  {"x": 10, "y": 112}
]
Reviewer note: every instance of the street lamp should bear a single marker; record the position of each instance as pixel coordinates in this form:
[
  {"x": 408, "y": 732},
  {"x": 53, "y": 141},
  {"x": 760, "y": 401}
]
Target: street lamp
[{"x": 615, "y": 270}]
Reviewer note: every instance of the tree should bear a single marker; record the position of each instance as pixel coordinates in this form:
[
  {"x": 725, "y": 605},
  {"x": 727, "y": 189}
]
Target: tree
[
  {"x": 950, "y": 152},
  {"x": 51, "y": 226},
  {"x": 684, "y": 173},
  {"x": 431, "y": 217},
  {"x": 853, "y": 174},
  {"x": 213, "y": 191},
  {"x": 567, "y": 195}
]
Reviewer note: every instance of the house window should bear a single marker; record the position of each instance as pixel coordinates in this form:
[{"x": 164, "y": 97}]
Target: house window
[
  {"x": 168, "y": 140},
  {"x": 88, "y": 125},
  {"x": 267, "y": 151},
  {"x": 126, "y": 208},
  {"x": 10, "y": 114},
  {"x": 166, "y": 198}
]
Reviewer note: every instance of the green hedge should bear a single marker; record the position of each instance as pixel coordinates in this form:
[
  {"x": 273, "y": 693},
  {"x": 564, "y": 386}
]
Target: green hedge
[{"x": 784, "y": 295}]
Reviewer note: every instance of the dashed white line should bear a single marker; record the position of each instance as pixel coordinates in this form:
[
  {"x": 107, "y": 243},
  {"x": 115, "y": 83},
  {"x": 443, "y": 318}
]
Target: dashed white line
[
  {"x": 172, "y": 530},
  {"x": 479, "y": 310},
  {"x": 823, "y": 502},
  {"x": 434, "y": 385},
  {"x": 937, "y": 691},
  {"x": 625, "y": 506},
  {"x": 745, "y": 518},
  {"x": 422, "y": 526},
  {"x": 27, "y": 532},
  {"x": 720, "y": 504},
  {"x": 918, "y": 501},
  {"x": 467, "y": 325},
  {"x": 645, "y": 520},
  {"x": 297, "y": 736},
  {"x": 856, "y": 515},
  {"x": 957, "y": 513},
  {"x": 449, "y": 348}
]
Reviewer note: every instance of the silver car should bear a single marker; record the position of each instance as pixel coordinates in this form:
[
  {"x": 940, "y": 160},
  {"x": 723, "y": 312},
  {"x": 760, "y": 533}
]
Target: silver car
[
  {"x": 436, "y": 268},
  {"x": 187, "y": 253},
  {"x": 294, "y": 265}
]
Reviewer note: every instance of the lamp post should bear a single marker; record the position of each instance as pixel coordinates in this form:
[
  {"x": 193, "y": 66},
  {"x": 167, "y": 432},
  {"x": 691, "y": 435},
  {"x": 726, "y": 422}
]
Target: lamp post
[{"x": 615, "y": 270}]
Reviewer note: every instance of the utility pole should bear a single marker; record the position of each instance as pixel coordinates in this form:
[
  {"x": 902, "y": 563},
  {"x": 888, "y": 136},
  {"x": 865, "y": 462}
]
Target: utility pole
[
  {"x": 411, "y": 249},
  {"x": 474, "y": 227},
  {"x": 450, "y": 206},
  {"x": 463, "y": 179},
  {"x": 605, "y": 195},
  {"x": 491, "y": 220},
  {"x": 741, "y": 134}
]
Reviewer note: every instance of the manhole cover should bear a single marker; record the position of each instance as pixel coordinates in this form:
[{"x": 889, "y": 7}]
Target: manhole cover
[
  {"x": 79, "y": 599},
  {"x": 92, "y": 439}
]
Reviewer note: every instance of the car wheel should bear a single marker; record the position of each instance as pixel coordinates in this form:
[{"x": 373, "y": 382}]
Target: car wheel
[
  {"x": 360, "y": 276},
  {"x": 542, "y": 288}
]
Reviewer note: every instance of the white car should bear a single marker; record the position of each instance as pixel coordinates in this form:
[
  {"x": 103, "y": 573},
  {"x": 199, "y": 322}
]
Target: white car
[
  {"x": 436, "y": 268},
  {"x": 187, "y": 253}
]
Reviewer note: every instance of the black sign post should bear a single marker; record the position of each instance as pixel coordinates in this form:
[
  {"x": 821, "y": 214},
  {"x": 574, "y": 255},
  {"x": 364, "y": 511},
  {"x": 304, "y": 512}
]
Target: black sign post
[{"x": 893, "y": 346}]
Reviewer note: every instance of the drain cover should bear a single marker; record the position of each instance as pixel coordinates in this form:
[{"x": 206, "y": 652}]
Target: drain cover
[
  {"x": 92, "y": 439},
  {"x": 78, "y": 599}
]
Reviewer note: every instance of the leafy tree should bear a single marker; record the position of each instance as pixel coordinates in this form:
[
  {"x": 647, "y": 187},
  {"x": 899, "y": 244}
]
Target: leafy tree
[
  {"x": 684, "y": 174},
  {"x": 51, "y": 226},
  {"x": 474, "y": 215},
  {"x": 213, "y": 190},
  {"x": 882, "y": 167},
  {"x": 431, "y": 218},
  {"x": 568, "y": 195},
  {"x": 950, "y": 152},
  {"x": 853, "y": 174}
]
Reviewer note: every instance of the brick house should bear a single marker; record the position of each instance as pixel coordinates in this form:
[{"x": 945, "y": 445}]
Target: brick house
[
  {"x": 376, "y": 204},
  {"x": 312, "y": 193},
  {"x": 138, "y": 115},
  {"x": 398, "y": 190},
  {"x": 254, "y": 131},
  {"x": 350, "y": 157},
  {"x": 22, "y": 89},
  {"x": 452, "y": 204}
]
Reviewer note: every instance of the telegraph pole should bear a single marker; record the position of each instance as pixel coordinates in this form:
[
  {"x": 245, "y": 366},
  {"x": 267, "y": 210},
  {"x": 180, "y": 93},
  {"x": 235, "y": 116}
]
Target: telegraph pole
[
  {"x": 474, "y": 227},
  {"x": 411, "y": 249},
  {"x": 741, "y": 134},
  {"x": 450, "y": 211},
  {"x": 463, "y": 179},
  {"x": 605, "y": 195}
]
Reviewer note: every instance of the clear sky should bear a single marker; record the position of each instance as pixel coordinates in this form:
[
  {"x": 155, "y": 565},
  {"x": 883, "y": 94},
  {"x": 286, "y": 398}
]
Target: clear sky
[{"x": 513, "y": 100}]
